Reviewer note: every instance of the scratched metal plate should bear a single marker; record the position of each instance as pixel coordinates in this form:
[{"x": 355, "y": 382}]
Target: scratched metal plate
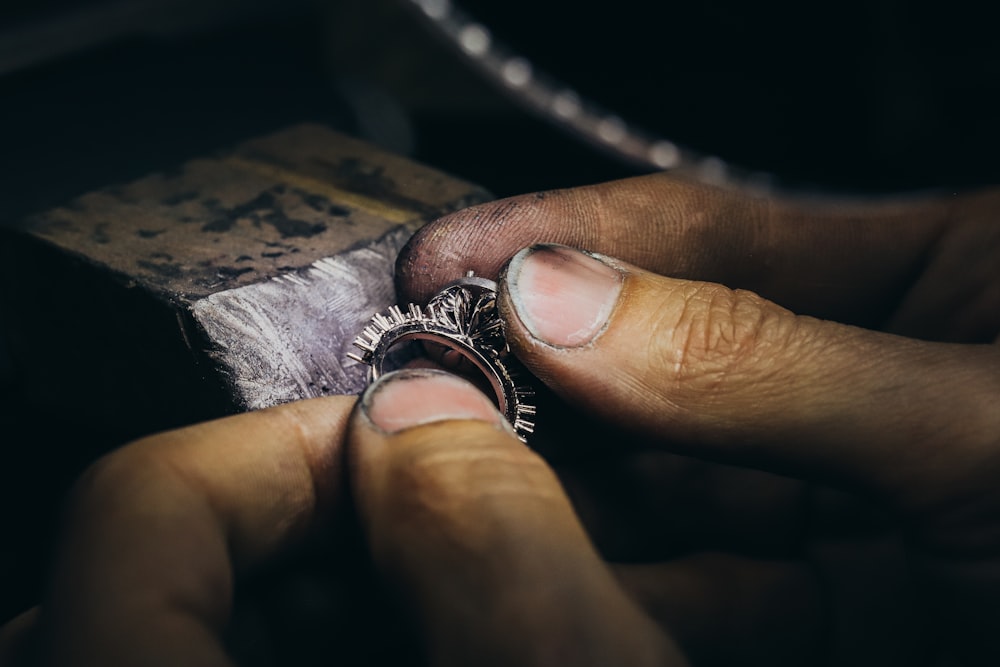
[
  {"x": 272, "y": 206},
  {"x": 233, "y": 282}
]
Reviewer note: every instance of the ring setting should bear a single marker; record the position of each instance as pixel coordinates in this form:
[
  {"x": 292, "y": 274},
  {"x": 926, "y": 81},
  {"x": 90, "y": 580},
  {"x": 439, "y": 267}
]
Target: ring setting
[{"x": 462, "y": 317}]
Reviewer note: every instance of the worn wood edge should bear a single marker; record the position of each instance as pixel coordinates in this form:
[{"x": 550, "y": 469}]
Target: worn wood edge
[{"x": 268, "y": 207}]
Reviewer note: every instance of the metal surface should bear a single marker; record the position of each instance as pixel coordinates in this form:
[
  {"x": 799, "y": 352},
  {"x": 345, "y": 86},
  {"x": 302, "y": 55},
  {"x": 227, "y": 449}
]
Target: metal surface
[
  {"x": 462, "y": 317},
  {"x": 234, "y": 282}
]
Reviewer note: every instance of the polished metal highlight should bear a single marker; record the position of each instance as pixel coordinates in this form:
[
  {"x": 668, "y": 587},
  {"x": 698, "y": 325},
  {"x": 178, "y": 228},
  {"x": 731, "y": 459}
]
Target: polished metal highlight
[
  {"x": 462, "y": 317},
  {"x": 550, "y": 98}
]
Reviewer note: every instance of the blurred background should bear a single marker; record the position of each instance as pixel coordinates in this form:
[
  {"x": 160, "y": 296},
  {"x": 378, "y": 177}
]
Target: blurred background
[{"x": 855, "y": 96}]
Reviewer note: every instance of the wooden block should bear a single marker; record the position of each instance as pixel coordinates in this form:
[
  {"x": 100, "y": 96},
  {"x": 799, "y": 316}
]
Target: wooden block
[{"x": 234, "y": 282}]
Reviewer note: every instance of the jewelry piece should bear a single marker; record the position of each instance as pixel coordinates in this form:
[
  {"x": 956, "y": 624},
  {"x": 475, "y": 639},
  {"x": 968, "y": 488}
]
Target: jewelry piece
[{"x": 462, "y": 317}]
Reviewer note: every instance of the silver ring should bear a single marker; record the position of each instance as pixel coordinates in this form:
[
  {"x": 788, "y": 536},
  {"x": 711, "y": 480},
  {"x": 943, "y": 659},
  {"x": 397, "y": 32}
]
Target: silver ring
[{"x": 462, "y": 317}]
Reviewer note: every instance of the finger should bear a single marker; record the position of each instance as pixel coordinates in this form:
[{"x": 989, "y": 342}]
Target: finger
[
  {"x": 743, "y": 381},
  {"x": 155, "y": 532},
  {"x": 479, "y": 538},
  {"x": 19, "y": 640},
  {"x": 642, "y": 503},
  {"x": 729, "y": 610},
  {"x": 746, "y": 382},
  {"x": 957, "y": 296},
  {"x": 836, "y": 259},
  {"x": 843, "y": 602},
  {"x": 654, "y": 505}
]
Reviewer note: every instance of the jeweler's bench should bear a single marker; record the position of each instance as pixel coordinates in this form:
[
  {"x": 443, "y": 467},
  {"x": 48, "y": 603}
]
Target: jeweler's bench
[{"x": 234, "y": 282}]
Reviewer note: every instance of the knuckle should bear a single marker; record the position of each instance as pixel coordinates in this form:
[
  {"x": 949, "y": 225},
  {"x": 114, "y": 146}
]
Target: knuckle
[
  {"x": 440, "y": 471},
  {"x": 446, "y": 248},
  {"x": 719, "y": 333},
  {"x": 111, "y": 477},
  {"x": 447, "y": 483}
]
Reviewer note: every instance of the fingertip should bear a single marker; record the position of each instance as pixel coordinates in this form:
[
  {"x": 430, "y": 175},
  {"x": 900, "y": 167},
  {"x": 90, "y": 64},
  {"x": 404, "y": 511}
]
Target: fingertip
[
  {"x": 19, "y": 640},
  {"x": 482, "y": 239},
  {"x": 563, "y": 297},
  {"x": 468, "y": 524},
  {"x": 443, "y": 251},
  {"x": 415, "y": 266},
  {"x": 410, "y": 417},
  {"x": 415, "y": 397}
]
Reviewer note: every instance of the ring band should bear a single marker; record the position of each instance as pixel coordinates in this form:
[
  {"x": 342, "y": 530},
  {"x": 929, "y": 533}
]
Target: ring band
[{"x": 462, "y": 317}]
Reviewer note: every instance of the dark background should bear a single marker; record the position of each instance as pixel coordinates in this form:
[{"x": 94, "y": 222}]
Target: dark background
[
  {"x": 854, "y": 95},
  {"x": 859, "y": 96},
  {"x": 119, "y": 92}
]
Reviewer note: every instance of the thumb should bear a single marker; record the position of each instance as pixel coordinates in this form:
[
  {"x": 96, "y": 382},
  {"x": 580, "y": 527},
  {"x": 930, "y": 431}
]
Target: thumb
[
  {"x": 477, "y": 535},
  {"x": 742, "y": 380}
]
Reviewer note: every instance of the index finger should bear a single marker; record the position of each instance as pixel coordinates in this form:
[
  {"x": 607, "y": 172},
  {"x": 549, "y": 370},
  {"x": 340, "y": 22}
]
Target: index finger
[
  {"x": 839, "y": 259},
  {"x": 155, "y": 532}
]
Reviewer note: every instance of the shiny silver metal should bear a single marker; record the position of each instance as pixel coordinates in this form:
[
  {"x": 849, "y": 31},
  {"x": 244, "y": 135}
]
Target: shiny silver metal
[
  {"x": 550, "y": 98},
  {"x": 462, "y": 317}
]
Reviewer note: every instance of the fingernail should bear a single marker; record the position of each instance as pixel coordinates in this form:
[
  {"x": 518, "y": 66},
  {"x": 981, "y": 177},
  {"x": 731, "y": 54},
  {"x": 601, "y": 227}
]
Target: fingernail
[
  {"x": 414, "y": 397},
  {"x": 562, "y": 296}
]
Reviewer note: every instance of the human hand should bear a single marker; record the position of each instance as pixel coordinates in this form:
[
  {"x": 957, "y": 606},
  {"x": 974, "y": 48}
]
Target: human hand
[
  {"x": 475, "y": 534},
  {"x": 909, "y": 427},
  {"x": 156, "y": 533},
  {"x": 470, "y": 529}
]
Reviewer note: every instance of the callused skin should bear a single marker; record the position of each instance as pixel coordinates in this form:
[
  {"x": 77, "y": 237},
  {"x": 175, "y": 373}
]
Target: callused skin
[
  {"x": 730, "y": 341},
  {"x": 710, "y": 342}
]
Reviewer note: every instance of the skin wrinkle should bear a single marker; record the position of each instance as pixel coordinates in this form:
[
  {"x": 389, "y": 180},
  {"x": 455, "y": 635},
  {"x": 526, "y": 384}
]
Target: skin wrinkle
[
  {"x": 109, "y": 478},
  {"x": 419, "y": 472},
  {"x": 610, "y": 214},
  {"x": 919, "y": 463},
  {"x": 884, "y": 389},
  {"x": 912, "y": 292},
  {"x": 593, "y": 391},
  {"x": 844, "y": 259},
  {"x": 980, "y": 319},
  {"x": 514, "y": 546},
  {"x": 497, "y": 216},
  {"x": 322, "y": 471},
  {"x": 722, "y": 235},
  {"x": 959, "y": 268},
  {"x": 465, "y": 464},
  {"x": 872, "y": 226},
  {"x": 904, "y": 420},
  {"x": 689, "y": 346},
  {"x": 899, "y": 233},
  {"x": 760, "y": 329},
  {"x": 243, "y": 485},
  {"x": 469, "y": 536},
  {"x": 806, "y": 345},
  {"x": 681, "y": 229},
  {"x": 558, "y": 205},
  {"x": 208, "y": 594},
  {"x": 725, "y": 579},
  {"x": 294, "y": 524},
  {"x": 724, "y": 339},
  {"x": 196, "y": 487}
]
